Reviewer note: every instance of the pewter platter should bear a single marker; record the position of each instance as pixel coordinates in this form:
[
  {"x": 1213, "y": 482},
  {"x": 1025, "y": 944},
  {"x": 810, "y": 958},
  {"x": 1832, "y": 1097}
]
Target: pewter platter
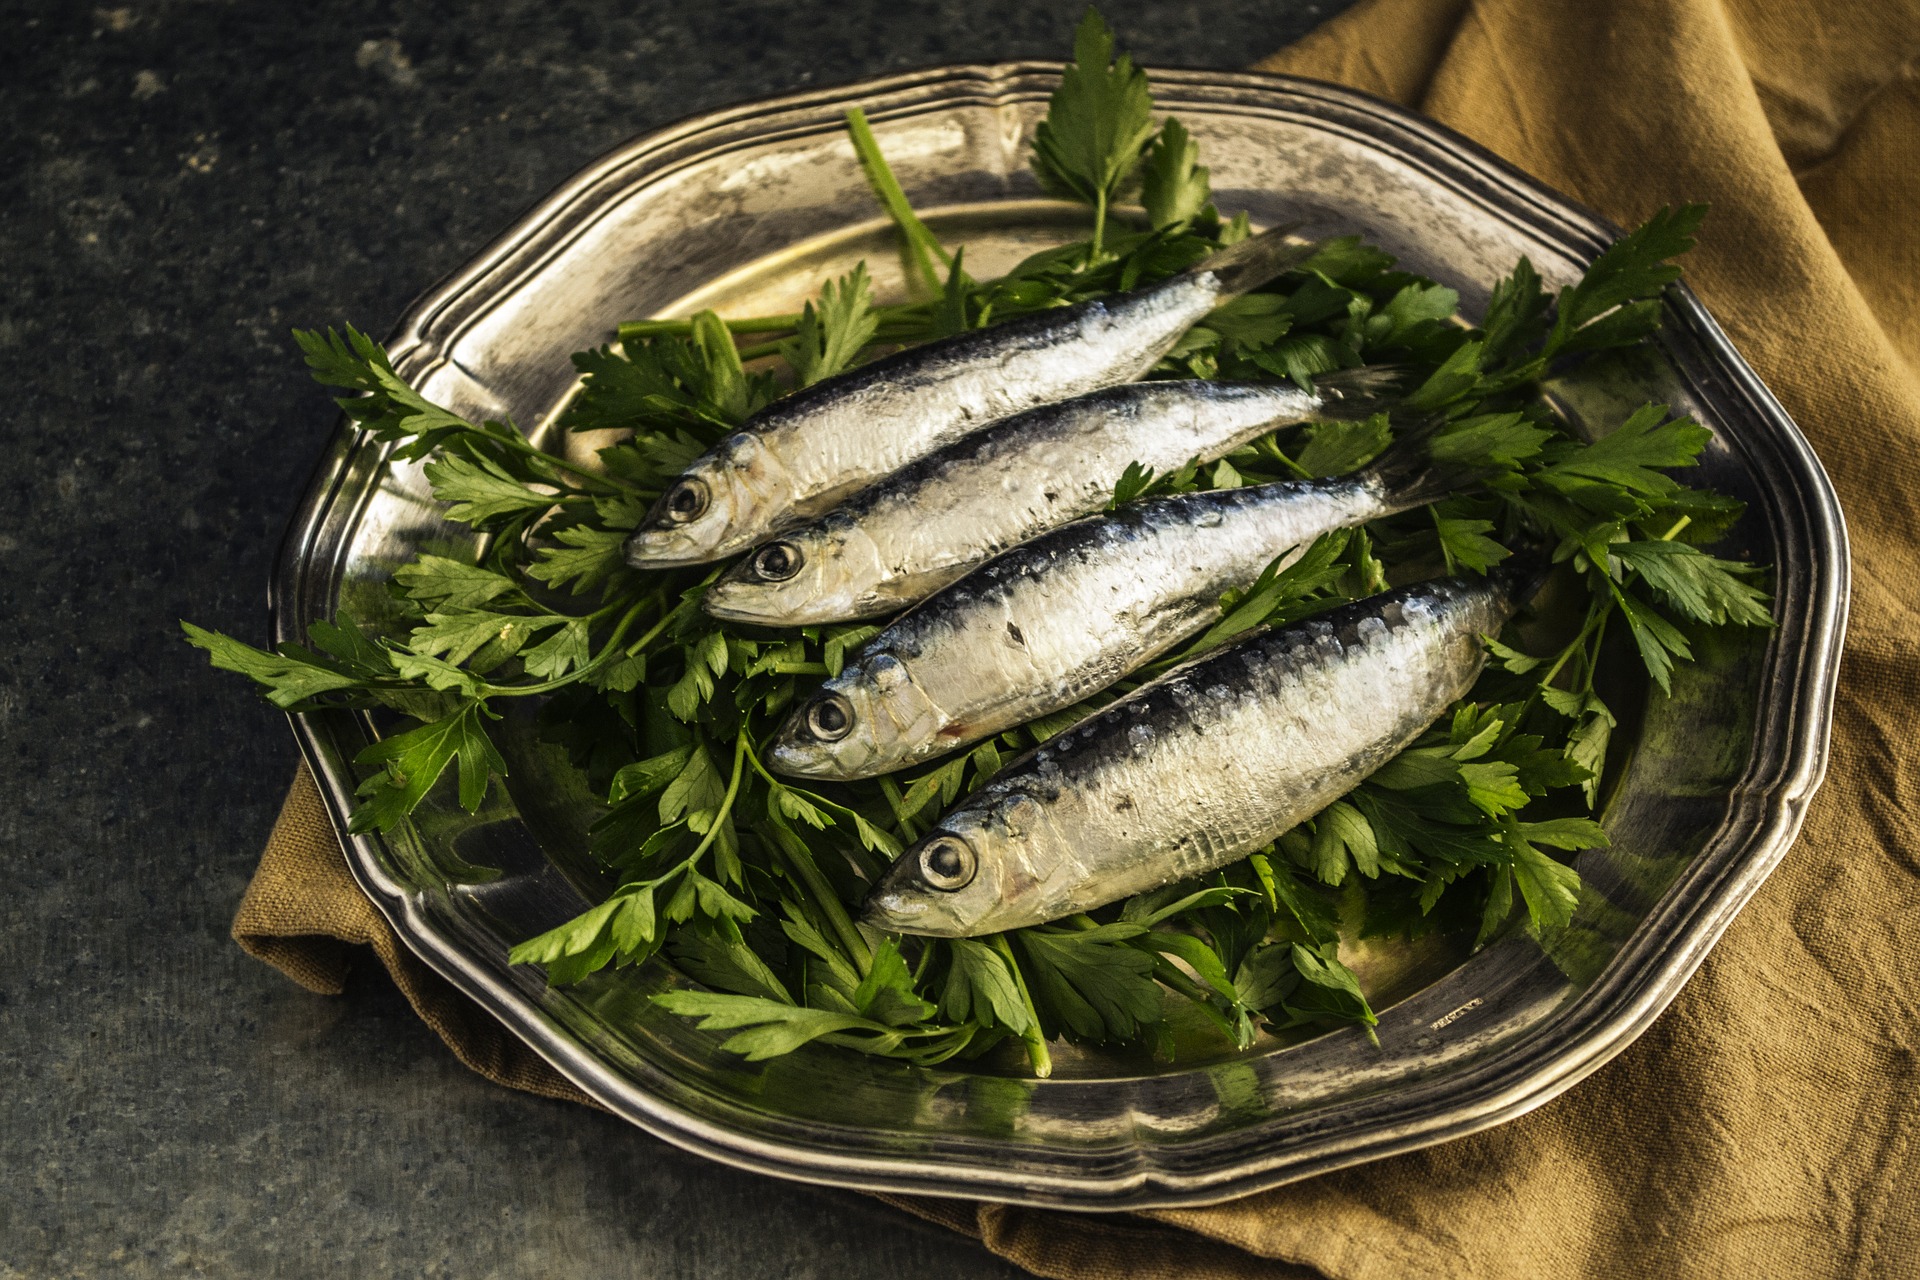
[{"x": 747, "y": 210}]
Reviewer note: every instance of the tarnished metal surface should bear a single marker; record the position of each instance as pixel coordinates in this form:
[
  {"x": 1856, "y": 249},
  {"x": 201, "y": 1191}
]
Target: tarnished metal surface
[{"x": 748, "y": 210}]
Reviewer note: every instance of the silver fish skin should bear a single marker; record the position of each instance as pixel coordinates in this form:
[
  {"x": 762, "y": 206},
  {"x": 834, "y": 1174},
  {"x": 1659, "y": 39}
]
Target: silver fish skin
[
  {"x": 923, "y": 527},
  {"x": 801, "y": 455},
  {"x": 1051, "y": 621},
  {"x": 1197, "y": 769}
]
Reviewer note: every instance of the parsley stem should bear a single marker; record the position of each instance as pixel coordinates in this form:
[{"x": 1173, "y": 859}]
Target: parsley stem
[
  {"x": 591, "y": 665},
  {"x": 897, "y": 802},
  {"x": 653, "y": 633},
  {"x": 1599, "y": 638},
  {"x": 726, "y": 803},
  {"x": 962, "y": 1037},
  {"x": 1594, "y": 615},
  {"x": 1271, "y": 447},
  {"x": 924, "y": 963},
  {"x": 801, "y": 859},
  {"x": 1036, "y": 1042},
  {"x": 920, "y": 244},
  {"x": 606, "y": 482}
]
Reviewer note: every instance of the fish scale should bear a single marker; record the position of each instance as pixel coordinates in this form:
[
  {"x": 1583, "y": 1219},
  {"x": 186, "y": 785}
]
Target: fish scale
[
  {"x": 926, "y": 525},
  {"x": 1210, "y": 762},
  {"x": 1059, "y": 618},
  {"x": 801, "y": 455}
]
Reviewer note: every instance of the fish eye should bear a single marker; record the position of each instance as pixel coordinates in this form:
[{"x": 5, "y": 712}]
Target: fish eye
[
  {"x": 947, "y": 862},
  {"x": 777, "y": 561},
  {"x": 829, "y": 718},
  {"x": 686, "y": 501}
]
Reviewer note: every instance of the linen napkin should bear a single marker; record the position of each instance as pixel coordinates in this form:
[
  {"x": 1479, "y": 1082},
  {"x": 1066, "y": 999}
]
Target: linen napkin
[{"x": 1769, "y": 1123}]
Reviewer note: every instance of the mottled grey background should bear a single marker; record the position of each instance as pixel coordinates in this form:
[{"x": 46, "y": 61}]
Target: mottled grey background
[{"x": 180, "y": 183}]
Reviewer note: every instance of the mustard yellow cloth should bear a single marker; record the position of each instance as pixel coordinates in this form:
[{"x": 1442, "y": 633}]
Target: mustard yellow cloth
[{"x": 1769, "y": 1124}]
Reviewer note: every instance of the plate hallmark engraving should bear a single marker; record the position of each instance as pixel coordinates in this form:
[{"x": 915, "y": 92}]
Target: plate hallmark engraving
[{"x": 1457, "y": 1014}]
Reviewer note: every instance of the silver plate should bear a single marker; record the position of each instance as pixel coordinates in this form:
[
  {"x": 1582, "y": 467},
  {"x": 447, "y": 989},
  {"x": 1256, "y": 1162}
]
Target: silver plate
[{"x": 748, "y": 209}]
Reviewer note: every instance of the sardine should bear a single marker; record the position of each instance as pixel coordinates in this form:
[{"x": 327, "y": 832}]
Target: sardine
[
  {"x": 924, "y": 526},
  {"x": 801, "y": 455},
  {"x": 1195, "y": 770},
  {"x": 1054, "y": 620}
]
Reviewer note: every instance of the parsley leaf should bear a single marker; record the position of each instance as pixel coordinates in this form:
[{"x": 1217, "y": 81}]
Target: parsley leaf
[
  {"x": 455, "y": 637},
  {"x": 773, "y": 1028},
  {"x": 563, "y": 651},
  {"x": 289, "y": 681},
  {"x": 625, "y": 925},
  {"x": 828, "y": 338},
  {"x": 587, "y": 558},
  {"x": 1516, "y": 313},
  {"x": 1329, "y": 990},
  {"x": 451, "y": 585},
  {"x": 1464, "y": 542},
  {"x": 1550, "y": 888},
  {"x": 1629, "y": 274},
  {"x": 1174, "y": 186},
  {"x": 413, "y": 761},
  {"x": 1098, "y": 122},
  {"x": 1248, "y": 322},
  {"x": 981, "y": 988},
  {"x": 1709, "y": 590},
  {"x": 1133, "y": 482},
  {"x": 1089, "y": 984},
  {"x": 1633, "y": 458},
  {"x": 479, "y": 489},
  {"x": 1338, "y": 447},
  {"x": 386, "y": 406}
]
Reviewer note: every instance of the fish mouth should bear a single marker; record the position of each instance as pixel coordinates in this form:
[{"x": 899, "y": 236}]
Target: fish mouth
[
  {"x": 804, "y": 757},
  {"x": 742, "y": 595},
  {"x": 669, "y": 547},
  {"x": 800, "y": 760},
  {"x": 736, "y": 600},
  {"x": 896, "y": 910}
]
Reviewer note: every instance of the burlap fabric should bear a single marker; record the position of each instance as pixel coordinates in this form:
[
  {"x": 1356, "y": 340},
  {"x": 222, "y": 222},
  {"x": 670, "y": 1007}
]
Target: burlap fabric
[{"x": 1766, "y": 1125}]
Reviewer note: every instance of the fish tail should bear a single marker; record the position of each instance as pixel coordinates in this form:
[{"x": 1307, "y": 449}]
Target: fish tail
[
  {"x": 1258, "y": 259},
  {"x": 1408, "y": 474},
  {"x": 1521, "y": 575},
  {"x": 1352, "y": 394}
]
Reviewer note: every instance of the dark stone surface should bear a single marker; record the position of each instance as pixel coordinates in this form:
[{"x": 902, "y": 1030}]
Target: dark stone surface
[{"x": 180, "y": 183}]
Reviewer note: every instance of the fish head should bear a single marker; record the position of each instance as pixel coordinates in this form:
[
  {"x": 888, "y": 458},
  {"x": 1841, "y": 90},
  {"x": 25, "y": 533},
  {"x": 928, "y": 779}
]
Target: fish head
[
  {"x": 870, "y": 719},
  {"x": 816, "y": 573},
  {"x": 722, "y": 503},
  {"x": 984, "y": 869}
]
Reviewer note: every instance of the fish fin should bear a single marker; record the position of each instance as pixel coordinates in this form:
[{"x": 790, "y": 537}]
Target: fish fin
[
  {"x": 1409, "y": 477},
  {"x": 1257, "y": 259},
  {"x": 1352, "y": 394}
]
